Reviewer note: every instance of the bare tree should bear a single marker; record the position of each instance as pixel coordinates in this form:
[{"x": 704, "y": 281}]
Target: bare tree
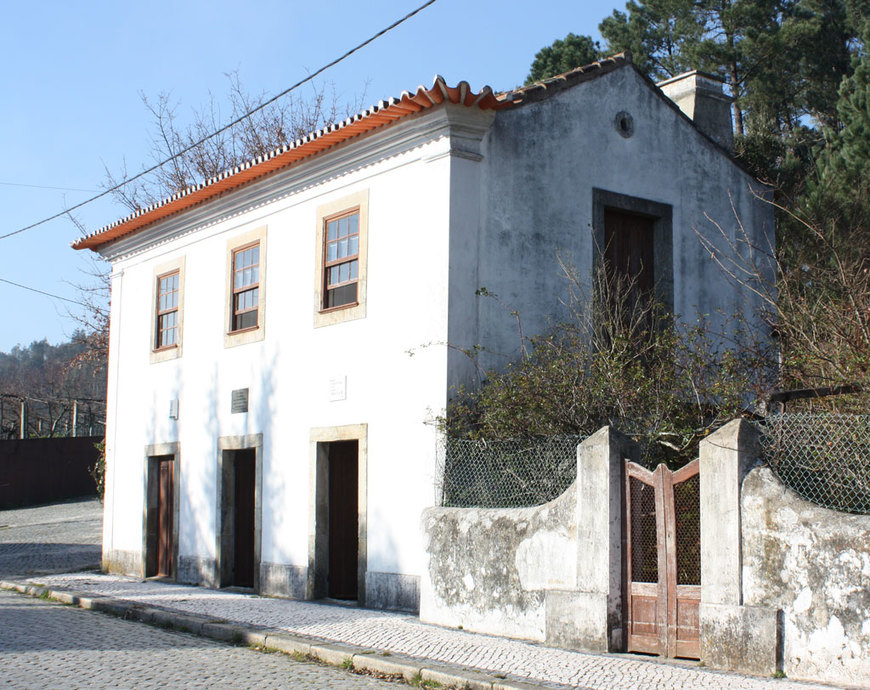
[{"x": 194, "y": 155}]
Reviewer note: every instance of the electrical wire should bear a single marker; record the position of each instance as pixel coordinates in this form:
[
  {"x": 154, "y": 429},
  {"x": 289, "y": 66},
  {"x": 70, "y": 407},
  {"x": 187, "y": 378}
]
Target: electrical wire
[
  {"x": 295, "y": 86},
  {"x": 43, "y": 292},
  {"x": 42, "y": 186}
]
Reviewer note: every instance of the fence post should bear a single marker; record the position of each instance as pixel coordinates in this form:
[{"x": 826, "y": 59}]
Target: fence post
[
  {"x": 733, "y": 636},
  {"x": 591, "y": 617},
  {"x": 75, "y": 417},
  {"x": 22, "y": 431}
]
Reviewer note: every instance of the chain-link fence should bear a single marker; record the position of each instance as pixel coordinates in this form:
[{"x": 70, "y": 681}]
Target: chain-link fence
[
  {"x": 506, "y": 474},
  {"x": 823, "y": 457}
]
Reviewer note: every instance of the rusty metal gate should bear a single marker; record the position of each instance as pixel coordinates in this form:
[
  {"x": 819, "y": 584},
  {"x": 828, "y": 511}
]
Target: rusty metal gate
[{"x": 663, "y": 559}]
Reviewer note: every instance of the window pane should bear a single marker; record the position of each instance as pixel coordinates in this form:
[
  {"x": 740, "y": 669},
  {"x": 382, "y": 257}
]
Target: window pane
[
  {"x": 332, "y": 230},
  {"x": 342, "y": 248},
  {"x": 338, "y": 297},
  {"x": 342, "y": 227},
  {"x": 353, "y": 246},
  {"x": 354, "y": 266},
  {"x": 344, "y": 275},
  {"x": 255, "y": 254},
  {"x": 331, "y": 251},
  {"x": 353, "y": 222}
]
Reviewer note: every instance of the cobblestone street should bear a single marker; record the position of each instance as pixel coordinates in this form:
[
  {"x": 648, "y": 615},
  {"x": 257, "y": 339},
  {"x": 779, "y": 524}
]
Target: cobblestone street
[
  {"x": 49, "y": 645},
  {"x": 405, "y": 634},
  {"x": 45, "y": 645},
  {"x": 63, "y": 537}
]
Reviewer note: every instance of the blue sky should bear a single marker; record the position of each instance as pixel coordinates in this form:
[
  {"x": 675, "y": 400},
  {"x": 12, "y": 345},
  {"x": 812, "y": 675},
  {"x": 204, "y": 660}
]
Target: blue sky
[{"x": 73, "y": 72}]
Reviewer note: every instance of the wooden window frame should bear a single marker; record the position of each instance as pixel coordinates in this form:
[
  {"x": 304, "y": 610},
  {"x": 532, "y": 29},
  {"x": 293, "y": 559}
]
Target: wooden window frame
[
  {"x": 238, "y": 243},
  {"x": 158, "y": 345},
  {"x": 356, "y": 202},
  {"x": 236, "y": 291},
  {"x": 325, "y": 288},
  {"x": 167, "y": 352}
]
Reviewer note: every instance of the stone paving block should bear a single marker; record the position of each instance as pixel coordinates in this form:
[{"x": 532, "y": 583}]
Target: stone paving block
[
  {"x": 65, "y": 597},
  {"x": 335, "y": 654},
  {"x": 112, "y": 606},
  {"x": 388, "y": 665},
  {"x": 222, "y": 631},
  {"x": 457, "y": 678},
  {"x": 514, "y": 685},
  {"x": 253, "y": 637},
  {"x": 288, "y": 644}
]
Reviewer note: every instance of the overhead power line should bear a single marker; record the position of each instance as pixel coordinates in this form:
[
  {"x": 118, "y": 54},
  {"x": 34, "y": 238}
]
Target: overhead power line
[
  {"x": 43, "y": 292},
  {"x": 239, "y": 119},
  {"x": 42, "y": 186}
]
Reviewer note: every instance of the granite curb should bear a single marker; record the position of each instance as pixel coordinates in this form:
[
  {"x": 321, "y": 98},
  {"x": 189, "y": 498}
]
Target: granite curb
[{"x": 413, "y": 670}]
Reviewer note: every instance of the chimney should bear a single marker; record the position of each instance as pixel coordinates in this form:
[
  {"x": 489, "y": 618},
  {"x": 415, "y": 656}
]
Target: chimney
[{"x": 700, "y": 97}]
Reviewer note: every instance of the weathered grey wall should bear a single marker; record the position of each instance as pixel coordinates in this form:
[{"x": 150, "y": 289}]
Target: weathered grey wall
[
  {"x": 785, "y": 584},
  {"x": 489, "y": 567},
  {"x": 814, "y": 565},
  {"x": 549, "y": 573},
  {"x": 542, "y": 161}
]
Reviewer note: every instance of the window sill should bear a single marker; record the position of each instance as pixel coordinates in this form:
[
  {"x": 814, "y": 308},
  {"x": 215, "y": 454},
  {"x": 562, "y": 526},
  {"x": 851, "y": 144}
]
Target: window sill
[
  {"x": 245, "y": 336},
  {"x": 164, "y": 354},
  {"x": 331, "y": 310}
]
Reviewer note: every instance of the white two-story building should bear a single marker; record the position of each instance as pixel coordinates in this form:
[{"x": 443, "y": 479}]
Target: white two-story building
[{"x": 267, "y": 423}]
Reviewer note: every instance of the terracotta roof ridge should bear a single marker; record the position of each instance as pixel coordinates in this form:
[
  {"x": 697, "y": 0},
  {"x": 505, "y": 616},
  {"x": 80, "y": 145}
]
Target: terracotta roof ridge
[
  {"x": 381, "y": 114},
  {"x": 546, "y": 87}
]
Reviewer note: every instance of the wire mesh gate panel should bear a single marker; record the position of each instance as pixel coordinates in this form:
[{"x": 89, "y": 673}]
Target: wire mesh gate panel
[{"x": 663, "y": 559}]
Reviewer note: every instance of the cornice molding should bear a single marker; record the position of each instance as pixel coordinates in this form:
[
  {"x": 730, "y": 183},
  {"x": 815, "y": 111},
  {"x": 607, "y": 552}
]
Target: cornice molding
[{"x": 462, "y": 128}]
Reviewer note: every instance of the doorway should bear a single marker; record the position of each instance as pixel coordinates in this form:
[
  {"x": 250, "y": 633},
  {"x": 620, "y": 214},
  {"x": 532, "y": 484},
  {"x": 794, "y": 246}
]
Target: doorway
[
  {"x": 239, "y": 524},
  {"x": 343, "y": 459},
  {"x": 337, "y": 547},
  {"x": 663, "y": 560},
  {"x": 160, "y": 528}
]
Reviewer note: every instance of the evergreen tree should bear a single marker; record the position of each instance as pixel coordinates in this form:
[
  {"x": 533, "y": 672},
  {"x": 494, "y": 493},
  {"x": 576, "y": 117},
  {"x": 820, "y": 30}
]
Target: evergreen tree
[{"x": 564, "y": 55}]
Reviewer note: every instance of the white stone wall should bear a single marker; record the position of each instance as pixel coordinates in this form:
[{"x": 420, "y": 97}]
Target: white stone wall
[
  {"x": 288, "y": 371},
  {"x": 814, "y": 565}
]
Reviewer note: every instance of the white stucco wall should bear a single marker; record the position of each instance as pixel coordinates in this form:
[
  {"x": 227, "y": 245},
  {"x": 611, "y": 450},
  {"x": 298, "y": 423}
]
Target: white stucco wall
[
  {"x": 288, "y": 372},
  {"x": 458, "y": 199}
]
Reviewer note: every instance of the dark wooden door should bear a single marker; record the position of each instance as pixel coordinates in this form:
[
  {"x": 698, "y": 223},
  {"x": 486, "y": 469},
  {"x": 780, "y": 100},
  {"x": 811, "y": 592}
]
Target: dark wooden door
[
  {"x": 343, "y": 519},
  {"x": 629, "y": 257},
  {"x": 663, "y": 560},
  {"x": 165, "y": 516},
  {"x": 244, "y": 470}
]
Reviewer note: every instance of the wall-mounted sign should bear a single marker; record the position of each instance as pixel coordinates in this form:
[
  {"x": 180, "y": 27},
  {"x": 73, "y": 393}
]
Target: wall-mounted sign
[{"x": 337, "y": 388}]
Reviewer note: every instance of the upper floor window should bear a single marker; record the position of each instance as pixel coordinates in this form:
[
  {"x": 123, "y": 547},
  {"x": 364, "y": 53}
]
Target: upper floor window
[
  {"x": 341, "y": 260},
  {"x": 167, "y": 310},
  {"x": 246, "y": 287}
]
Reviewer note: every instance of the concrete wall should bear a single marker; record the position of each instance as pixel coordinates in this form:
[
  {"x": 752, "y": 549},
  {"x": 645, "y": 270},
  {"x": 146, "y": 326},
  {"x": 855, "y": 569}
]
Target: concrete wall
[
  {"x": 786, "y": 583},
  {"x": 41, "y": 470},
  {"x": 814, "y": 565},
  {"x": 550, "y": 573}
]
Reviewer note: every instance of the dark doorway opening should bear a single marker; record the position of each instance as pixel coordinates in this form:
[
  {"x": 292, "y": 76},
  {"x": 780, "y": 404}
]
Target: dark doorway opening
[
  {"x": 342, "y": 577},
  {"x": 238, "y": 518},
  {"x": 160, "y": 517},
  {"x": 629, "y": 255}
]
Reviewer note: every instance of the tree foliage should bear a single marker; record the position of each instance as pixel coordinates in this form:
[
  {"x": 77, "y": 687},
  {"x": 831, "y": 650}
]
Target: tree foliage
[
  {"x": 664, "y": 381},
  {"x": 563, "y": 55}
]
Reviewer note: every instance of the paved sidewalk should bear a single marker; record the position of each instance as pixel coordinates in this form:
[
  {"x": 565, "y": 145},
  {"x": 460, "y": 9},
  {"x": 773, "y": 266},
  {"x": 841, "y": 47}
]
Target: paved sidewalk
[{"x": 361, "y": 632}]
